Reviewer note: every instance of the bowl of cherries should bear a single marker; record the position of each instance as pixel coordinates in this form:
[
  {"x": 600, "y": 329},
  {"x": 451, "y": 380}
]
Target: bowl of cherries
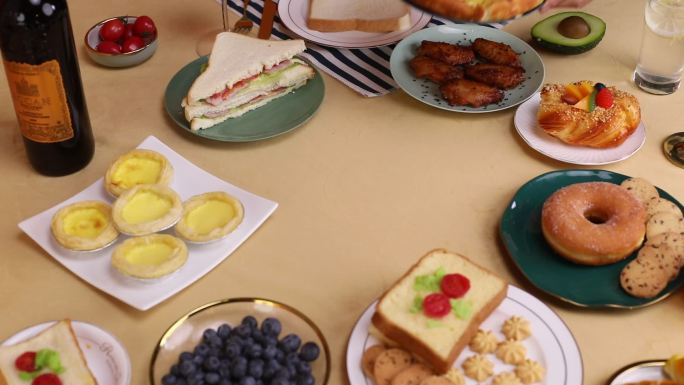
[{"x": 122, "y": 41}]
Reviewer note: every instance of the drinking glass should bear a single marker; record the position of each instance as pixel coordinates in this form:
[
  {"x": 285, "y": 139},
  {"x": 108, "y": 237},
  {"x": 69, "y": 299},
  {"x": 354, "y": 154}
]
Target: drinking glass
[
  {"x": 206, "y": 41},
  {"x": 661, "y": 59}
]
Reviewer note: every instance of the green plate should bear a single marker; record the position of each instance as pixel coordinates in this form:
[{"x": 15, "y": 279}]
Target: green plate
[
  {"x": 275, "y": 118},
  {"x": 588, "y": 286},
  {"x": 428, "y": 92}
]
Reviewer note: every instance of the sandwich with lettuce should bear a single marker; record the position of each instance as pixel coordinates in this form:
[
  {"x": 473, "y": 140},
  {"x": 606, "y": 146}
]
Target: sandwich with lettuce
[{"x": 243, "y": 73}]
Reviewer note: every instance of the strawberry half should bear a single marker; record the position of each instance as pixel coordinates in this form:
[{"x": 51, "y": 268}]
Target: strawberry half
[
  {"x": 604, "y": 98},
  {"x": 47, "y": 379},
  {"x": 26, "y": 362}
]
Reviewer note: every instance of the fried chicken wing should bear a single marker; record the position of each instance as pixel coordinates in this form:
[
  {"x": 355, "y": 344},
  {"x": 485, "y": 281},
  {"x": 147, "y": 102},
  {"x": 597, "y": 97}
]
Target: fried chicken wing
[
  {"x": 452, "y": 54},
  {"x": 497, "y": 75},
  {"x": 434, "y": 70},
  {"x": 497, "y": 53},
  {"x": 465, "y": 92}
]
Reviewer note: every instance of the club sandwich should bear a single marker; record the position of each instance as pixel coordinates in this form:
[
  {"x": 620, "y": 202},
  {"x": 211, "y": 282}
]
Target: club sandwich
[{"x": 244, "y": 73}]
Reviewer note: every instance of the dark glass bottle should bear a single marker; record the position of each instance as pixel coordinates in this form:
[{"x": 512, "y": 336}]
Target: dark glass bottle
[{"x": 42, "y": 71}]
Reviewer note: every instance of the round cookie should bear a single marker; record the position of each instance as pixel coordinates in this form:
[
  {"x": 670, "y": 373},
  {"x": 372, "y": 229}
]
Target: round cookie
[
  {"x": 511, "y": 352},
  {"x": 659, "y": 205},
  {"x": 369, "y": 357},
  {"x": 516, "y": 328},
  {"x": 644, "y": 277},
  {"x": 484, "y": 342},
  {"x": 388, "y": 364},
  {"x": 506, "y": 378},
  {"x": 530, "y": 371},
  {"x": 642, "y": 189},
  {"x": 413, "y": 375},
  {"x": 436, "y": 380},
  {"x": 664, "y": 222},
  {"x": 674, "y": 240},
  {"x": 478, "y": 367}
]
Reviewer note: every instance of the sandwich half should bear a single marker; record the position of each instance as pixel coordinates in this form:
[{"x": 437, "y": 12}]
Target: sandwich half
[{"x": 243, "y": 73}]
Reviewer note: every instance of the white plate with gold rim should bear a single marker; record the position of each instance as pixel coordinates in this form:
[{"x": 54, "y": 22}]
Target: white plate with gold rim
[
  {"x": 189, "y": 180},
  {"x": 526, "y": 124},
  {"x": 551, "y": 343},
  {"x": 105, "y": 355}
]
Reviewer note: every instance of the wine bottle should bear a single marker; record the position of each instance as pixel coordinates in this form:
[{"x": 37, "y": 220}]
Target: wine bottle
[{"x": 41, "y": 65}]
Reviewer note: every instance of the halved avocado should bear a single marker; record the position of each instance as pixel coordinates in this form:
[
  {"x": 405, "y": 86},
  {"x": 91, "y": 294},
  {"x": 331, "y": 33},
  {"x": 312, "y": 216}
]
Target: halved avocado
[{"x": 552, "y": 32}]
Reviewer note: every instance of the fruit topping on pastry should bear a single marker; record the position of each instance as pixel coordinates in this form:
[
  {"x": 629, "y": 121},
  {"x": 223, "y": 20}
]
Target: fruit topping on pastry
[
  {"x": 446, "y": 290},
  {"x": 41, "y": 367}
]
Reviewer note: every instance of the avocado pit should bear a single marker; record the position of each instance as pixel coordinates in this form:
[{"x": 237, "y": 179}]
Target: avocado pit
[{"x": 574, "y": 27}]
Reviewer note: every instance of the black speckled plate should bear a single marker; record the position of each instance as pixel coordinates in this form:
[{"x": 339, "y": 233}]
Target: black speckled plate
[{"x": 428, "y": 92}]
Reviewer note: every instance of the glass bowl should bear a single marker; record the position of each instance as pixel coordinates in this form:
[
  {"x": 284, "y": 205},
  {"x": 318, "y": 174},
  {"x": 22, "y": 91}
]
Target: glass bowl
[{"x": 186, "y": 332}]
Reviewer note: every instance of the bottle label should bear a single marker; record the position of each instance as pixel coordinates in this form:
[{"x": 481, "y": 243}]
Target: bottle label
[{"x": 40, "y": 101}]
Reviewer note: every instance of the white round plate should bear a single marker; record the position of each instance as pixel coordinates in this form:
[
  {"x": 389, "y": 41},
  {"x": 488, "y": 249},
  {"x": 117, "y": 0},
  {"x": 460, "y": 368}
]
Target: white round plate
[
  {"x": 293, "y": 13},
  {"x": 105, "y": 355},
  {"x": 464, "y": 34},
  {"x": 526, "y": 125},
  {"x": 639, "y": 371},
  {"x": 551, "y": 343}
]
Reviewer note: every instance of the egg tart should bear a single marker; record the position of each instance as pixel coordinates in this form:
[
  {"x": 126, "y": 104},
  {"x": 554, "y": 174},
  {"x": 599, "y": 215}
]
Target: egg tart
[
  {"x": 150, "y": 256},
  {"x": 146, "y": 209},
  {"x": 137, "y": 167},
  {"x": 210, "y": 216},
  {"x": 84, "y": 226}
]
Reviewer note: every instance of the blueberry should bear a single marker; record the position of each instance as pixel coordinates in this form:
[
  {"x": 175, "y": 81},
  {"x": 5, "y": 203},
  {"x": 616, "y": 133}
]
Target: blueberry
[
  {"x": 224, "y": 371},
  {"x": 175, "y": 370},
  {"x": 212, "y": 378},
  {"x": 198, "y": 360},
  {"x": 196, "y": 379},
  {"x": 309, "y": 352},
  {"x": 269, "y": 341},
  {"x": 303, "y": 367},
  {"x": 187, "y": 368},
  {"x": 248, "y": 380},
  {"x": 304, "y": 379},
  {"x": 271, "y": 327},
  {"x": 599, "y": 86},
  {"x": 223, "y": 331},
  {"x": 202, "y": 349},
  {"x": 283, "y": 372},
  {"x": 243, "y": 331},
  {"x": 291, "y": 369},
  {"x": 281, "y": 381},
  {"x": 233, "y": 349},
  {"x": 250, "y": 321},
  {"x": 269, "y": 352},
  {"x": 270, "y": 369},
  {"x": 225, "y": 381},
  {"x": 169, "y": 379},
  {"x": 185, "y": 356},
  {"x": 290, "y": 342},
  {"x": 210, "y": 336},
  {"x": 238, "y": 367},
  {"x": 181, "y": 381},
  {"x": 256, "y": 368},
  {"x": 280, "y": 355},
  {"x": 212, "y": 363},
  {"x": 292, "y": 358},
  {"x": 253, "y": 351},
  {"x": 257, "y": 335}
]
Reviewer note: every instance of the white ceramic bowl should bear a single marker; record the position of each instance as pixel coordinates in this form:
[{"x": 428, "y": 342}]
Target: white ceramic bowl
[{"x": 126, "y": 59}]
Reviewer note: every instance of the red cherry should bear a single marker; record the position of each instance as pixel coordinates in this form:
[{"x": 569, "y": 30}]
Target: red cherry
[
  {"x": 26, "y": 362},
  {"x": 132, "y": 43},
  {"x": 47, "y": 379},
  {"x": 455, "y": 285},
  {"x": 436, "y": 305},
  {"x": 108, "y": 47}
]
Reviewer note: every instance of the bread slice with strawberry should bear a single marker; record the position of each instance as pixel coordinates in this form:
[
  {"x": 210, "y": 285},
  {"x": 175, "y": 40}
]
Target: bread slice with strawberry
[
  {"x": 436, "y": 307},
  {"x": 53, "y": 357}
]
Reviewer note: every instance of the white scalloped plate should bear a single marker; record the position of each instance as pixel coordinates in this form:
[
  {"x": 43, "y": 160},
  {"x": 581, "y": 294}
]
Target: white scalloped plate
[
  {"x": 551, "y": 344},
  {"x": 526, "y": 125}
]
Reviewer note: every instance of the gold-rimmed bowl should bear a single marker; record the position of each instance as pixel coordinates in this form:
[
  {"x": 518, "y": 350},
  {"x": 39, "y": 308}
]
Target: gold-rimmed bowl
[
  {"x": 186, "y": 332},
  {"x": 118, "y": 60}
]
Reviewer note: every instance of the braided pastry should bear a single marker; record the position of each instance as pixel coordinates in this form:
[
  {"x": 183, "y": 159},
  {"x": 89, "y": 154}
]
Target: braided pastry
[{"x": 593, "y": 127}]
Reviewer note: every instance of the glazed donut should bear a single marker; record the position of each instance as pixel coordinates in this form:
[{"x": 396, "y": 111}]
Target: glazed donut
[
  {"x": 600, "y": 128},
  {"x": 593, "y": 223}
]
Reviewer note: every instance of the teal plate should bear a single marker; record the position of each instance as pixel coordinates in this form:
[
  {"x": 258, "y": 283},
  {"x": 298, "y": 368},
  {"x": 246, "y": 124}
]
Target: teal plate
[
  {"x": 428, "y": 92},
  {"x": 587, "y": 286},
  {"x": 275, "y": 118}
]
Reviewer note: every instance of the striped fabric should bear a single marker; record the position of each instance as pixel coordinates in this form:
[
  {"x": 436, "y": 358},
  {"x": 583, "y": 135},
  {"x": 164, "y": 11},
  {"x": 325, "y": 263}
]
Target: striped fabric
[{"x": 366, "y": 70}]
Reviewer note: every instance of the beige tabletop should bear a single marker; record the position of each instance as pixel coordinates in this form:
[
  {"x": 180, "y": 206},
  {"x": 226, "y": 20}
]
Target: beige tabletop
[{"x": 365, "y": 188}]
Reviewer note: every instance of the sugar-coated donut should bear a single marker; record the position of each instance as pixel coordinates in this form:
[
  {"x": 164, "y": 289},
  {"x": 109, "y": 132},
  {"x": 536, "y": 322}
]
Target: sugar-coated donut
[{"x": 593, "y": 223}]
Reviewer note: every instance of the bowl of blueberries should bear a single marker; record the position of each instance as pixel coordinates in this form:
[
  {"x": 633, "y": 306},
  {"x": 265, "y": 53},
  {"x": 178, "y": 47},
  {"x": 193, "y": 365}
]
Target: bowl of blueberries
[{"x": 242, "y": 341}]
